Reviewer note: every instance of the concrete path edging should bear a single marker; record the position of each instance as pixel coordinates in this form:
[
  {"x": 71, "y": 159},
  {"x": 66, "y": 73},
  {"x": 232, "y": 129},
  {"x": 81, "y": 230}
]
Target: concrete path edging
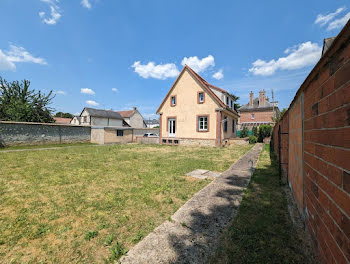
[{"x": 194, "y": 229}]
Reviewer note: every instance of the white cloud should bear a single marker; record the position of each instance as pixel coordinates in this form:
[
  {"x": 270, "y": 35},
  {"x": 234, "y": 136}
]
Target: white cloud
[
  {"x": 60, "y": 92},
  {"x": 302, "y": 55},
  {"x": 338, "y": 23},
  {"x": 160, "y": 71},
  {"x": 92, "y": 103},
  {"x": 324, "y": 19},
  {"x": 199, "y": 65},
  {"x": 87, "y": 91},
  {"x": 218, "y": 75},
  {"x": 55, "y": 12},
  {"x": 86, "y": 4},
  {"x": 17, "y": 54},
  {"x": 115, "y": 90}
]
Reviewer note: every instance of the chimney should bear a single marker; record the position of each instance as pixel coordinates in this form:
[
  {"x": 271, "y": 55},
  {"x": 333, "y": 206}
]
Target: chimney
[
  {"x": 134, "y": 108},
  {"x": 251, "y": 98},
  {"x": 268, "y": 99},
  {"x": 262, "y": 98}
]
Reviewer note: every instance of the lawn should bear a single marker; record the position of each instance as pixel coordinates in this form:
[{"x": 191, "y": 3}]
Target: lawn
[
  {"x": 262, "y": 231},
  {"x": 90, "y": 204}
]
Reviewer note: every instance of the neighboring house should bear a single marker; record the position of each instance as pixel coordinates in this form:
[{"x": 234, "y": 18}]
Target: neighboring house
[
  {"x": 133, "y": 118},
  {"x": 62, "y": 120},
  {"x": 98, "y": 117},
  {"x": 152, "y": 123},
  {"x": 196, "y": 112},
  {"x": 258, "y": 111}
]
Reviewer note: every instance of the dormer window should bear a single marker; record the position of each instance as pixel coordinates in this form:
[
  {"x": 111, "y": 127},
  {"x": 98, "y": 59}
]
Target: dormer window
[
  {"x": 173, "y": 100},
  {"x": 200, "y": 97}
]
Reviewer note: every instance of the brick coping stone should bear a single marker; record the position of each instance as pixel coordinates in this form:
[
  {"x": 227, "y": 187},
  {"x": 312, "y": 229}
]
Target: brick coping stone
[{"x": 195, "y": 228}]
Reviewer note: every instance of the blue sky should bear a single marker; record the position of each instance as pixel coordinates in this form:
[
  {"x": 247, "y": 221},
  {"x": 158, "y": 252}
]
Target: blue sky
[{"x": 119, "y": 54}]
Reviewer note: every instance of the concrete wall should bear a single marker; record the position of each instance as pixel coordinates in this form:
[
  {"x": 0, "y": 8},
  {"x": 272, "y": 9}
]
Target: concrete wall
[
  {"x": 100, "y": 121},
  {"x": 20, "y": 133},
  {"x": 136, "y": 120},
  {"x": 139, "y": 132},
  {"x": 108, "y": 135},
  {"x": 319, "y": 151},
  {"x": 147, "y": 140}
]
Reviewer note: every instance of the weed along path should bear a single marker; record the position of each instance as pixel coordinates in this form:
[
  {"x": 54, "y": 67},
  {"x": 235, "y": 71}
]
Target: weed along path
[{"x": 191, "y": 234}]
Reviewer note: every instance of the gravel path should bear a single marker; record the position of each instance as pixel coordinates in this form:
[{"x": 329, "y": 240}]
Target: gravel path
[{"x": 194, "y": 230}]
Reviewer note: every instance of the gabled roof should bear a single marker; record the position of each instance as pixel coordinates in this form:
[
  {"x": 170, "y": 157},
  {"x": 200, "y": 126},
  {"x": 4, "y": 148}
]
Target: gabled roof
[
  {"x": 62, "y": 120},
  {"x": 268, "y": 105},
  {"x": 205, "y": 85},
  {"x": 102, "y": 113},
  {"x": 126, "y": 114}
]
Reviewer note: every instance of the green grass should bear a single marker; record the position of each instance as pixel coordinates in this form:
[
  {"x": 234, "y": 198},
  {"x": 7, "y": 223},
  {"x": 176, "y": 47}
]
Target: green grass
[
  {"x": 262, "y": 231},
  {"x": 90, "y": 204},
  {"x": 19, "y": 147}
]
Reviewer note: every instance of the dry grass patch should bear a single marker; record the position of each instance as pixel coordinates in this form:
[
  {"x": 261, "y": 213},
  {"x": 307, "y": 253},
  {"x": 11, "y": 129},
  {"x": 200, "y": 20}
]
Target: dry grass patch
[{"x": 88, "y": 204}]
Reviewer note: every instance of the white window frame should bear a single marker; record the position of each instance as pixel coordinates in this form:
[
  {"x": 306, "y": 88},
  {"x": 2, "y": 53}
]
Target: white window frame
[{"x": 203, "y": 123}]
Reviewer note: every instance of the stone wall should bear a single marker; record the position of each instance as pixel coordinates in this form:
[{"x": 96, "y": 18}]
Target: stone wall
[
  {"x": 317, "y": 141},
  {"x": 21, "y": 133},
  {"x": 188, "y": 142}
]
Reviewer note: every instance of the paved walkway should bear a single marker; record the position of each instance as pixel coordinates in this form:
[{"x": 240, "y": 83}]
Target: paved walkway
[{"x": 192, "y": 233}]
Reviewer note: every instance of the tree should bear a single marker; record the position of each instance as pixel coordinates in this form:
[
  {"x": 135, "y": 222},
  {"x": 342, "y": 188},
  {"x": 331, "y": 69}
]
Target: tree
[
  {"x": 255, "y": 131},
  {"x": 18, "y": 103},
  {"x": 279, "y": 115},
  {"x": 264, "y": 132},
  {"x": 244, "y": 132},
  {"x": 235, "y": 99},
  {"x": 65, "y": 115}
]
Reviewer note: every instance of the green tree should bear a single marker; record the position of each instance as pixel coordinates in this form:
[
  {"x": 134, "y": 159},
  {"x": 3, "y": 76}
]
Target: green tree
[
  {"x": 235, "y": 99},
  {"x": 264, "y": 132},
  {"x": 279, "y": 115},
  {"x": 65, "y": 115},
  {"x": 244, "y": 132},
  {"x": 255, "y": 131},
  {"x": 19, "y": 103}
]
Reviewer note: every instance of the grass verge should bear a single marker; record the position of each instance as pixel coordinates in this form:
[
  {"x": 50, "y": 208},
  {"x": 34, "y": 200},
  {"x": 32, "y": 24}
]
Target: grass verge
[
  {"x": 262, "y": 231},
  {"x": 90, "y": 204}
]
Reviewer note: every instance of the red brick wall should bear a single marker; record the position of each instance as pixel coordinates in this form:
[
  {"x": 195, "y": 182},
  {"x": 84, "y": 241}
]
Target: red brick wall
[
  {"x": 295, "y": 155},
  {"x": 258, "y": 116},
  {"x": 319, "y": 154}
]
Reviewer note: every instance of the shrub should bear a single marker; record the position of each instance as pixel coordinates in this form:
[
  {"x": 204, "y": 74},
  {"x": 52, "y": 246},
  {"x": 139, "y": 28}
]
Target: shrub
[
  {"x": 264, "y": 132},
  {"x": 252, "y": 139},
  {"x": 255, "y": 131},
  {"x": 244, "y": 132}
]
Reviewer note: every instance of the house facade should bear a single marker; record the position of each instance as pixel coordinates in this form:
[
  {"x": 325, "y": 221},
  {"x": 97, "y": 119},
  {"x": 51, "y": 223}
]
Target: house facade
[
  {"x": 133, "y": 118},
  {"x": 196, "y": 112},
  {"x": 259, "y": 111},
  {"x": 152, "y": 123},
  {"x": 98, "y": 117}
]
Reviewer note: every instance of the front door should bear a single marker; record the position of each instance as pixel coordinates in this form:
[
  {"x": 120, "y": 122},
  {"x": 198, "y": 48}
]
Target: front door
[{"x": 172, "y": 127}]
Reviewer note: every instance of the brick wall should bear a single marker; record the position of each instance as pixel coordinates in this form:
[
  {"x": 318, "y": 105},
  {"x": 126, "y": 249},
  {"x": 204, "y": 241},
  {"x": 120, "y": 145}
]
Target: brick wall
[
  {"x": 319, "y": 151},
  {"x": 259, "y": 116}
]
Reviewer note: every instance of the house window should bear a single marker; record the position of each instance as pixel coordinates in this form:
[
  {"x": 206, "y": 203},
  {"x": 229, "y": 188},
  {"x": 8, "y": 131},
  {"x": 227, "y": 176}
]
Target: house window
[
  {"x": 227, "y": 99},
  {"x": 231, "y": 104},
  {"x": 233, "y": 125},
  {"x": 164, "y": 141},
  {"x": 85, "y": 119},
  {"x": 120, "y": 133},
  {"x": 225, "y": 124},
  {"x": 253, "y": 116},
  {"x": 203, "y": 123},
  {"x": 176, "y": 142},
  {"x": 170, "y": 141},
  {"x": 173, "y": 100},
  {"x": 200, "y": 98}
]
